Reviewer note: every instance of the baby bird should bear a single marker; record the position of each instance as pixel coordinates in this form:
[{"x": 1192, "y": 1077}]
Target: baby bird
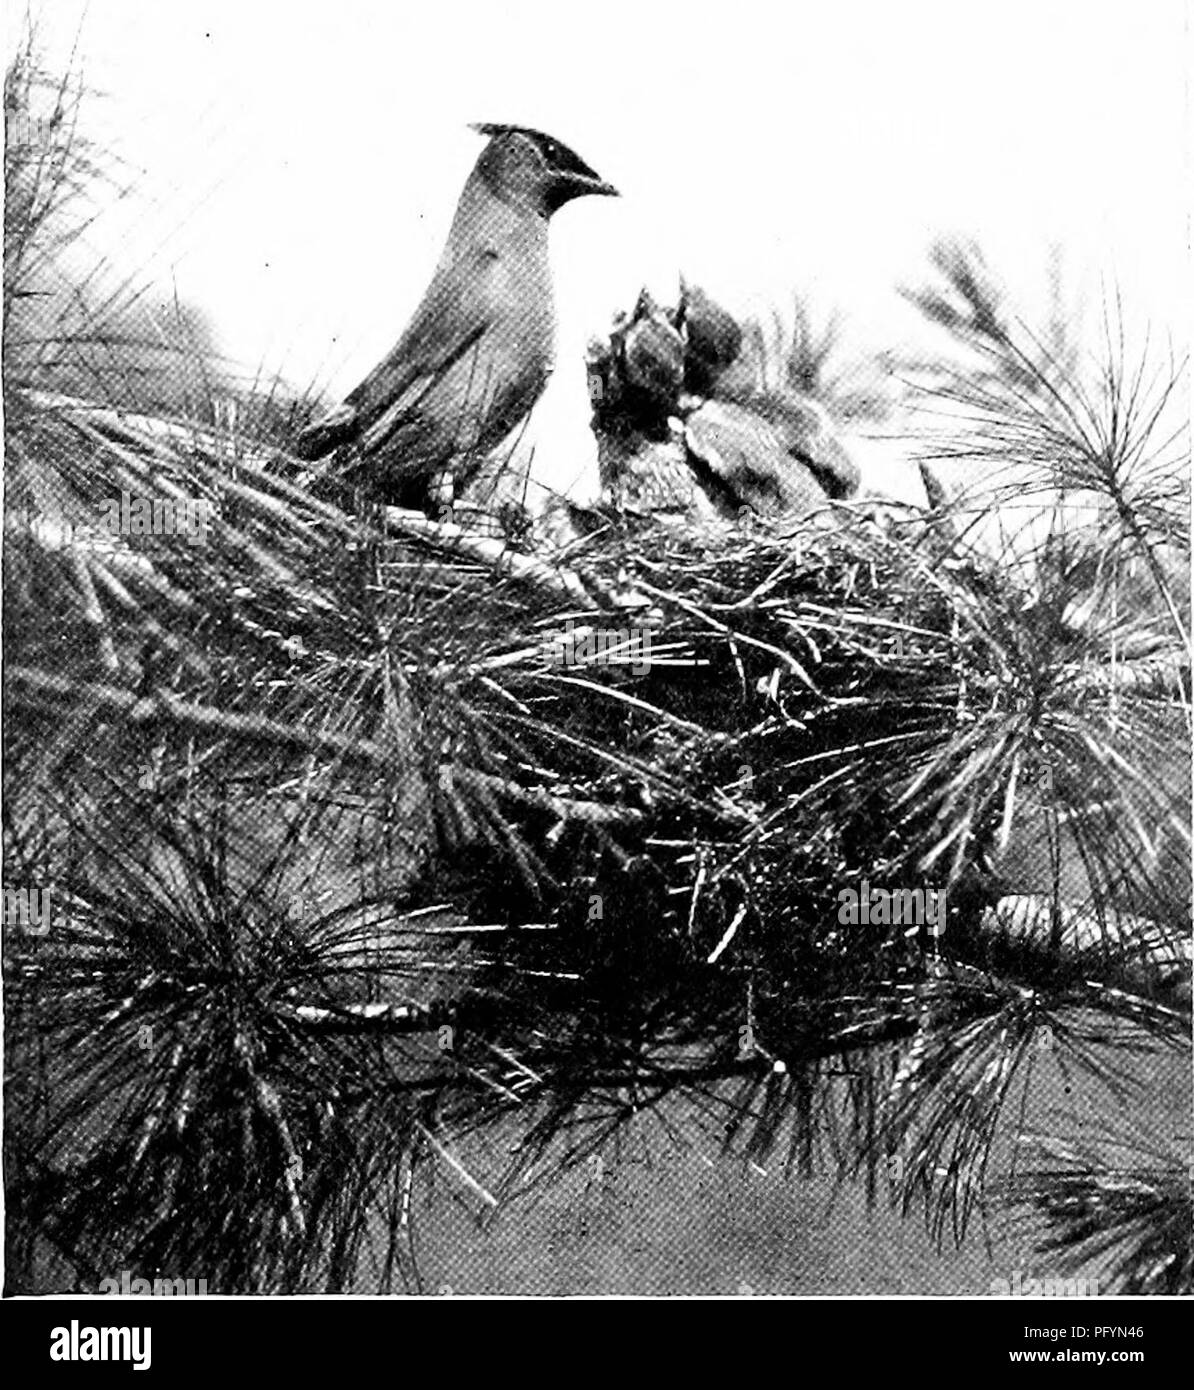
[{"x": 480, "y": 348}]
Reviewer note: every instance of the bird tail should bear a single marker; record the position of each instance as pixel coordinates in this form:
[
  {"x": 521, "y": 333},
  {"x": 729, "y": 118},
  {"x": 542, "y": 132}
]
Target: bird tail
[{"x": 328, "y": 433}]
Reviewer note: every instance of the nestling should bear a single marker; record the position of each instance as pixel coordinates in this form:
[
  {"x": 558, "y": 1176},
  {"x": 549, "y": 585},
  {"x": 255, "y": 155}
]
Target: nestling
[{"x": 480, "y": 348}]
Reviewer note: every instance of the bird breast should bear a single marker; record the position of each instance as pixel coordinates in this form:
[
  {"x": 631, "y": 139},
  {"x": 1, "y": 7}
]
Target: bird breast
[
  {"x": 517, "y": 288},
  {"x": 516, "y": 353}
]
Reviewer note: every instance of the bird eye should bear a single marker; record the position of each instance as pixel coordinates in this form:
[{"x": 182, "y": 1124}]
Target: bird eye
[{"x": 550, "y": 150}]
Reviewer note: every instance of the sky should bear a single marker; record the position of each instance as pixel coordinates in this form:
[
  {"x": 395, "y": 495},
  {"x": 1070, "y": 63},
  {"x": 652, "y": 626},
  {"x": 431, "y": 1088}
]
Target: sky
[{"x": 298, "y": 163}]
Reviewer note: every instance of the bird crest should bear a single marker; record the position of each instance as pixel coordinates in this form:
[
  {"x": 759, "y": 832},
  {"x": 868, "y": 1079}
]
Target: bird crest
[{"x": 557, "y": 156}]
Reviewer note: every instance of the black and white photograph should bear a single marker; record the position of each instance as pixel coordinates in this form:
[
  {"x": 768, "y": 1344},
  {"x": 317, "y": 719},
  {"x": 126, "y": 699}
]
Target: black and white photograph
[{"x": 596, "y": 657}]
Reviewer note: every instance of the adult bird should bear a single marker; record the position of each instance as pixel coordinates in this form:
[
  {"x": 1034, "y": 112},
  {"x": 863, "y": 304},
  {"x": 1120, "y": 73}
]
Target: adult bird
[{"x": 480, "y": 348}]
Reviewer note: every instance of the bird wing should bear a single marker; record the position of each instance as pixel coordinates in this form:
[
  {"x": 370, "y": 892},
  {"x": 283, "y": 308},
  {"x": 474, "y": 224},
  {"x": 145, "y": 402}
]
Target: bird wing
[
  {"x": 748, "y": 455},
  {"x": 327, "y": 433},
  {"x": 454, "y": 315}
]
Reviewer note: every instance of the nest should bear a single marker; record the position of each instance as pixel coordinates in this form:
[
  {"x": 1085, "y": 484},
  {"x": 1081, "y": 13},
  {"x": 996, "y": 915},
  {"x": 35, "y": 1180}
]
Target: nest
[
  {"x": 366, "y": 837},
  {"x": 347, "y": 851}
]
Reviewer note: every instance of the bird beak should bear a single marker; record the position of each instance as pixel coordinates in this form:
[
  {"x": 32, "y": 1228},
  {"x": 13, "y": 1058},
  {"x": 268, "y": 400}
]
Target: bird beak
[{"x": 582, "y": 185}]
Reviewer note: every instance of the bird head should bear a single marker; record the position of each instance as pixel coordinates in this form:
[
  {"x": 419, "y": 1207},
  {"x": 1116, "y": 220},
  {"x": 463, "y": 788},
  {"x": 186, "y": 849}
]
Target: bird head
[{"x": 533, "y": 170}]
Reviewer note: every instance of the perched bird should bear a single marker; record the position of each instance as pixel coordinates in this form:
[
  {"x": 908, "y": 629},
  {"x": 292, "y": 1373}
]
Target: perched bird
[{"x": 480, "y": 348}]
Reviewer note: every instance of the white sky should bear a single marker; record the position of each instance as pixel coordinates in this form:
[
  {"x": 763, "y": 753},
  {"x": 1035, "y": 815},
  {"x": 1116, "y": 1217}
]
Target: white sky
[{"x": 302, "y": 160}]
